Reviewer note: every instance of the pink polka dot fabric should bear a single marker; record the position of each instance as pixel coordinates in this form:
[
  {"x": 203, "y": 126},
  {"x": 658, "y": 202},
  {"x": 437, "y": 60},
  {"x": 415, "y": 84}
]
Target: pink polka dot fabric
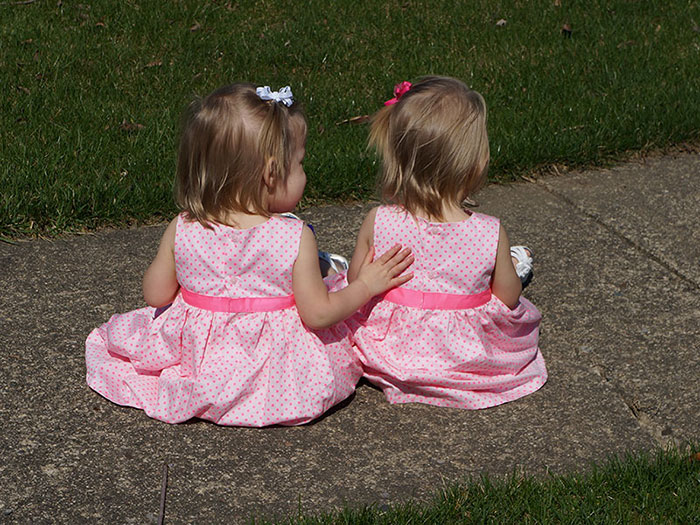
[
  {"x": 469, "y": 358},
  {"x": 248, "y": 369}
]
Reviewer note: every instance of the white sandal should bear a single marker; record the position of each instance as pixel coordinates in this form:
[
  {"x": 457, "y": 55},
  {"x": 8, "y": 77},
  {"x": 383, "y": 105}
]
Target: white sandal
[
  {"x": 524, "y": 266},
  {"x": 337, "y": 262}
]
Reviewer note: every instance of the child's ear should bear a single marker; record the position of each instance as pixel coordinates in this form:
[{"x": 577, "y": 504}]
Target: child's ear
[{"x": 269, "y": 175}]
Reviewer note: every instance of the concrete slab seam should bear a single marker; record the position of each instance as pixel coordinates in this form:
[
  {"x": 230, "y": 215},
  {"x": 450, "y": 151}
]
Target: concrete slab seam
[
  {"x": 668, "y": 265},
  {"x": 652, "y": 428}
]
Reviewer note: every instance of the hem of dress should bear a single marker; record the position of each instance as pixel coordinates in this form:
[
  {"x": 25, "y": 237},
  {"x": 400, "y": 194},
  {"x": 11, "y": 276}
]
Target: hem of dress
[
  {"x": 402, "y": 398},
  {"x": 291, "y": 422}
]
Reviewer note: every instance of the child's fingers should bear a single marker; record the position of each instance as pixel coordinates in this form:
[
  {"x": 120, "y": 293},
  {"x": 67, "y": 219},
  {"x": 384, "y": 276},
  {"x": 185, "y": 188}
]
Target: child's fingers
[
  {"x": 403, "y": 254},
  {"x": 398, "y": 281},
  {"x": 369, "y": 256},
  {"x": 387, "y": 255},
  {"x": 401, "y": 266},
  {"x": 398, "y": 257}
]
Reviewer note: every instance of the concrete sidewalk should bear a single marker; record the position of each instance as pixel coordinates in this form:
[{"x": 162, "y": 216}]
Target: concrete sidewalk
[{"x": 617, "y": 280}]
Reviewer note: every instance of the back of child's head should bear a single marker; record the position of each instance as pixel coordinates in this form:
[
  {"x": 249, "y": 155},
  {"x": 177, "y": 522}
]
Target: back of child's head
[
  {"x": 433, "y": 145},
  {"x": 230, "y": 138}
]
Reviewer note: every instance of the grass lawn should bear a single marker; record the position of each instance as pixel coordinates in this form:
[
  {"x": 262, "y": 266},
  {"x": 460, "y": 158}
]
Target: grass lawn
[
  {"x": 663, "y": 487},
  {"x": 93, "y": 91}
]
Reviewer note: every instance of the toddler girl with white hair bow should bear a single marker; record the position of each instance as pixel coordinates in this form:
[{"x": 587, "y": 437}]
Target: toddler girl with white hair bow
[{"x": 253, "y": 336}]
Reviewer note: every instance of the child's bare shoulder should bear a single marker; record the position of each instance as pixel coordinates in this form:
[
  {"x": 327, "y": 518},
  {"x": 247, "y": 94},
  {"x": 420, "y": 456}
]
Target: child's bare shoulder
[
  {"x": 168, "y": 238},
  {"x": 367, "y": 228}
]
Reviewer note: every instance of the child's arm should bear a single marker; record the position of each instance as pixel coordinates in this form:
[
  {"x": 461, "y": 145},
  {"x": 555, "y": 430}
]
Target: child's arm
[
  {"x": 505, "y": 283},
  {"x": 363, "y": 245},
  {"x": 160, "y": 284},
  {"x": 318, "y": 308}
]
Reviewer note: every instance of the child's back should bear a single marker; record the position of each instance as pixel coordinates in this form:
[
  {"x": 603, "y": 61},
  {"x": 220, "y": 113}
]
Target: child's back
[
  {"x": 443, "y": 338},
  {"x": 255, "y": 367},
  {"x": 458, "y": 334}
]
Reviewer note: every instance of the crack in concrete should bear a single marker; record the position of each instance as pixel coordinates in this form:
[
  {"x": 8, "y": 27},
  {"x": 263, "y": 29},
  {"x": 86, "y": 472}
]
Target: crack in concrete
[
  {"x": 644, "y": 420},
  {"x": 659, "y": 434},
  {"x": 668, "y": 265}
]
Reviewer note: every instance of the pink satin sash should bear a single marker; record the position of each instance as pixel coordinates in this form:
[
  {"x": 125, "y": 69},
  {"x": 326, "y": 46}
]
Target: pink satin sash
[
  {"x": 237, "y": 304},
  {"x": 437, "y": 301}
]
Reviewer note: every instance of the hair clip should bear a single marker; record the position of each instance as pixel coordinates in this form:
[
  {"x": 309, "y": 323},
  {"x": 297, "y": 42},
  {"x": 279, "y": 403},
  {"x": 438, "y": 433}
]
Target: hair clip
[
  {"x": 284, "y": 95},
  {"x": 399, "y": 91}
]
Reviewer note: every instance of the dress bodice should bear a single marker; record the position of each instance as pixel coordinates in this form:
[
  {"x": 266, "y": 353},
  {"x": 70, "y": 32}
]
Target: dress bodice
[
  {"x": 229, "y": 262},
  {"x": 449, "y": 257}
]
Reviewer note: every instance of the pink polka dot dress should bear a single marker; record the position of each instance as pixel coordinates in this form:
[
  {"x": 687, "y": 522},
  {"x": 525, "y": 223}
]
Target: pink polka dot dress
[
  {"x": 232, "y": 348},
  {"x": 442, "y": 338}
]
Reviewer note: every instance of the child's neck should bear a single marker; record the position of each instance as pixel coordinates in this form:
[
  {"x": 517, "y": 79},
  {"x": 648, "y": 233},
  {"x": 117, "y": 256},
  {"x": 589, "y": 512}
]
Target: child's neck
[
  {"x": 243, "y": 221},
  {"x": 450, "y": 213}
]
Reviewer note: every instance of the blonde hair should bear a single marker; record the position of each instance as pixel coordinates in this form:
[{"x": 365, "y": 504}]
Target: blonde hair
[
  {"x": 433, "y": 145},
  {"x": 229, "y": 139}
]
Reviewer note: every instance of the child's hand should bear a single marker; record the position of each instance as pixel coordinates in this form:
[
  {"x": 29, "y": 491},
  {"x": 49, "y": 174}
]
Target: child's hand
[{"x": 385, "y": 273}]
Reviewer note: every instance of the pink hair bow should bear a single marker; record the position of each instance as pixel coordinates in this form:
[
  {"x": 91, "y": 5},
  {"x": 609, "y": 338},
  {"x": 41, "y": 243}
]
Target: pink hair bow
[{"x": 399, "y": 91}]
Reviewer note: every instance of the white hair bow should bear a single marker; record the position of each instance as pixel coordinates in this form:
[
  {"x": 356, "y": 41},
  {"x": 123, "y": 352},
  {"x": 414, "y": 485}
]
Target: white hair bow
[{"x": 284, "y": 95}]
